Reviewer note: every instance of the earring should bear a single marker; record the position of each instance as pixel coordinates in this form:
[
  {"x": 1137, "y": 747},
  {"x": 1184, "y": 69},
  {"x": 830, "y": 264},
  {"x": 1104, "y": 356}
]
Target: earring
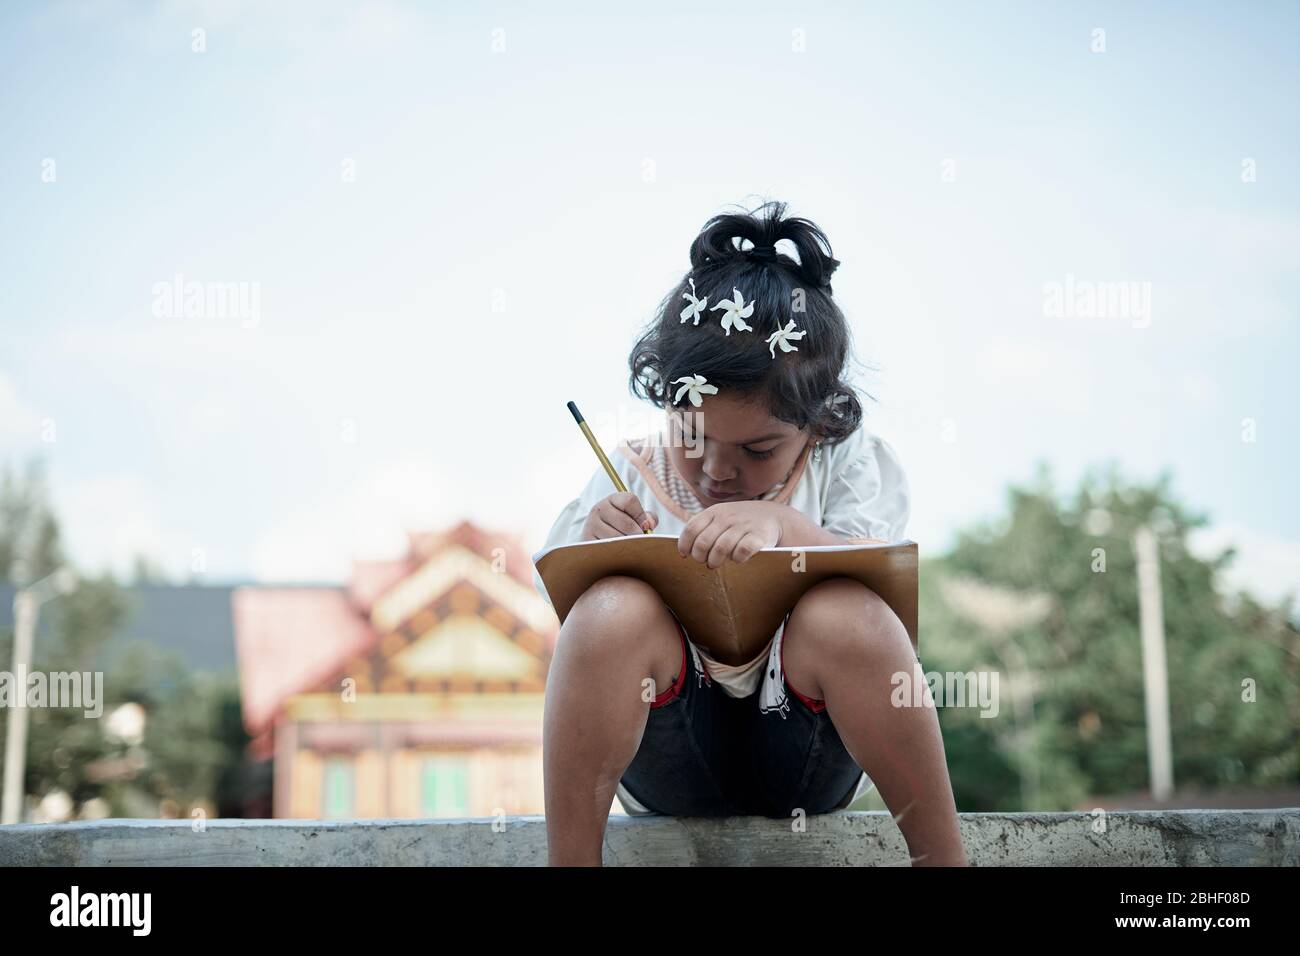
[{"x": 817, "y": 452}]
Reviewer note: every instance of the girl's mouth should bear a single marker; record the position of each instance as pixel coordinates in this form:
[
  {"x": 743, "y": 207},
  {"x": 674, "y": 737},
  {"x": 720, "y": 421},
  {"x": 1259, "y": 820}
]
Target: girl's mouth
[{"x": 719, "y": 497}]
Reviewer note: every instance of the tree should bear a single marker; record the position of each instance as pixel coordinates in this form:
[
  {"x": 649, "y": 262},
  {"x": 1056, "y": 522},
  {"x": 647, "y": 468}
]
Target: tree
[
  {"x": 190, "y": 750},
  {"x": 29, "y": 534},
  {"x": 1081, "y": 657}
]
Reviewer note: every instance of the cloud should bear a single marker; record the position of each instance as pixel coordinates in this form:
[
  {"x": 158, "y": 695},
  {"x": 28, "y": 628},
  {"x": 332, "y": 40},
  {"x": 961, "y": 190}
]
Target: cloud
[
  {"x": 1040, "y": 373},
  {"x": 1266, "y": 566},
  {"x": 369, "y": 520},
  {"x": 19, "y": 424},
  {"x": 108, "y": 520},
  {"x": 1200, "y": 390}
]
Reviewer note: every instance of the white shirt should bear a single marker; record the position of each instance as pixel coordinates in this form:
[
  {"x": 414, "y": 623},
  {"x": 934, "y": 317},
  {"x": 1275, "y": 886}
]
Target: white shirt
[{"x": 857, "y": 491}]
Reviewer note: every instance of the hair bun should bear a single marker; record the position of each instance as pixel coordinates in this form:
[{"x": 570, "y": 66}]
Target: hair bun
[{"x": 764, "y": 227}]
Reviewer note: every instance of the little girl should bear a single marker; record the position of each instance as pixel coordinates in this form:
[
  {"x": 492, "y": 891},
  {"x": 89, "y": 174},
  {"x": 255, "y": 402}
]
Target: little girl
[{"x": 763, "y": 446}]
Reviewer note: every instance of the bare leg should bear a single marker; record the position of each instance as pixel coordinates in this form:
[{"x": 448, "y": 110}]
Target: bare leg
[
  {"x": 618, "y": 634},
  {"x": 847, "y": 644}
]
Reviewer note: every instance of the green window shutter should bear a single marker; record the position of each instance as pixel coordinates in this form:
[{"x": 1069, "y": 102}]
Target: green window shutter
[
  {"x": 338, "y": 789},
  {"x": 445, "y": 786}
]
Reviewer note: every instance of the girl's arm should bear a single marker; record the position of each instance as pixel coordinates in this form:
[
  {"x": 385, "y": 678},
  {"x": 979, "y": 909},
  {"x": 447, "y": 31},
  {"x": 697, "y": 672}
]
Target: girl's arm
[{"x": 797, "y": 529}]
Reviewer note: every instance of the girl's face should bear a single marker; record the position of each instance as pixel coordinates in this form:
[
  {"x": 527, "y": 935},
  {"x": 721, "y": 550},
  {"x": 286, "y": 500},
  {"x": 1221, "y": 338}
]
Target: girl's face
[{"x": 732, "y": 448}]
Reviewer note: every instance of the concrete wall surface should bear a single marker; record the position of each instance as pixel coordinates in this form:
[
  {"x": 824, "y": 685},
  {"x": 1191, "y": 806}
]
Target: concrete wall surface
[{"x": 1117, "y": 838}]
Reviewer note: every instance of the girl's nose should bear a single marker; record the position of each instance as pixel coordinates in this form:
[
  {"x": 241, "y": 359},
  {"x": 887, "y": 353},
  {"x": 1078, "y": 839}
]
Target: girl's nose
[{"x": 716, "y": 468}]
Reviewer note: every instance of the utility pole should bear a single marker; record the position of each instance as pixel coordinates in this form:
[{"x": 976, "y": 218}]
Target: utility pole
[
  {"x": 1155, "y": 675},
  {"x": 27, "y": 602}
]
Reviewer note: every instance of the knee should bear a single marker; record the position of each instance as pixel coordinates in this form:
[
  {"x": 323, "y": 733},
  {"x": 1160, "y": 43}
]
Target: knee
[
  {"x": 842, "y": 615},
  {"x": 602, "y": 614},
  {"x": 615, "y": 596}
]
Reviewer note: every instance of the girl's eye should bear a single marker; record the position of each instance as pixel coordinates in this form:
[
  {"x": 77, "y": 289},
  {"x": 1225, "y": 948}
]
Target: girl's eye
[{"x": 760, "y": 454}]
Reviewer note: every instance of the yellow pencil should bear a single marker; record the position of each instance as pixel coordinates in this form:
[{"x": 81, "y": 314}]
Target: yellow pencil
[{"x": 595, "y": 446}]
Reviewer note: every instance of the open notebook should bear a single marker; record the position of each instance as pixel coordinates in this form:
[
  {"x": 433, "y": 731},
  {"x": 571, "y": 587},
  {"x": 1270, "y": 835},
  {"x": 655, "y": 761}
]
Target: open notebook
[{"x": 735, "y": 609}]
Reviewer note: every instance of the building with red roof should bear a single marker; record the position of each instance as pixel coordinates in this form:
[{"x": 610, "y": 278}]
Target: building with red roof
[{"x": 415, "y": 691}]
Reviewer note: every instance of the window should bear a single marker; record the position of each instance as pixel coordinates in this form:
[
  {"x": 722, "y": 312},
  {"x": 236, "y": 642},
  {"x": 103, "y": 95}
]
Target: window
[
  {"x": 445, "y": 786},
  {"x": 338, "y": 789}
]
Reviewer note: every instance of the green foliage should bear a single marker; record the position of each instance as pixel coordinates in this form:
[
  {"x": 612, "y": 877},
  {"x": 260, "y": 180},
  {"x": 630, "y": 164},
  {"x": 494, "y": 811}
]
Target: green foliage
[
  {"x": 191, "y": 747},
  {"x": 1087, "y": 734},
  {"x": 29, "y": 533}
]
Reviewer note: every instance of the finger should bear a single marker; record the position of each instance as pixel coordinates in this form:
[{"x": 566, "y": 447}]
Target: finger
[
  {"x": 600, "y": 529},
  {"x": 630, "y": 504},
  {"x": 704, "y": 542},
  {"x": 724, "y": 546},
  {"x": 617, "y": 519},
  {"x": 603, "y": 529},
  {"x": 686, "y": 540},
  {"x": 626, "y": 502},
  {"x": 746, "y": 546}
]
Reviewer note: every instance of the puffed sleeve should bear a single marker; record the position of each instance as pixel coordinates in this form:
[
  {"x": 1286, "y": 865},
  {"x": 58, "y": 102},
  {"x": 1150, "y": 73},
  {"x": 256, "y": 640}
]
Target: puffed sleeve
[
  {"x": 568, "y": 526},
  {"x": 868, "y": 494}
]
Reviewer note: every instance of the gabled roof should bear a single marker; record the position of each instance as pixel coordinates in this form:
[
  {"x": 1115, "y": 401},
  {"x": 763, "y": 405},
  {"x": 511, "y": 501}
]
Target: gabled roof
[
  {"x": 291, "y": 641},
  {"x": 489, "y": 545}
]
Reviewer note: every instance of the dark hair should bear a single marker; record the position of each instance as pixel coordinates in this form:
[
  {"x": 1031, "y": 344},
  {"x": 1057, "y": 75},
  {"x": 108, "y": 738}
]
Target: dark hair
[{"x": 803, "y": 387}]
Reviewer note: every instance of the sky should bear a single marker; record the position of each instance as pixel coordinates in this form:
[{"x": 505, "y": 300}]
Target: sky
[{"x": 448, "y": 220}]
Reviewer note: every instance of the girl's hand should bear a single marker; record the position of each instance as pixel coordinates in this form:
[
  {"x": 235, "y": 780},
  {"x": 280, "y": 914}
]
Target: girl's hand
[
  {"x": 731, "y": 530},
  {"x": 618, "y": 515}
]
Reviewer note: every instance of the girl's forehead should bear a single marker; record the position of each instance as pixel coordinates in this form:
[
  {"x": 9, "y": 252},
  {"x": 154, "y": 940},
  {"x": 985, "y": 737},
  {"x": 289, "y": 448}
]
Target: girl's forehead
[{"x": 738, "y": 423}]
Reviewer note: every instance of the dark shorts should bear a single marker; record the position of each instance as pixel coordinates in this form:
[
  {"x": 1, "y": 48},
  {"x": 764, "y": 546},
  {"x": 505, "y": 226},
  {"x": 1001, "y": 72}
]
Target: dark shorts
[{"x": 708, "y": 754}]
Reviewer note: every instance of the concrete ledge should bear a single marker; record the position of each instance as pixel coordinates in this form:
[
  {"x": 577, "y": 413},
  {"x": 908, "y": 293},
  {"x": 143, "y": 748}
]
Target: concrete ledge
[{"x": 1129, "y": 838}]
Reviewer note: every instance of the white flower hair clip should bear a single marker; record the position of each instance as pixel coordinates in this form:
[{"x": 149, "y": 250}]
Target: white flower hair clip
[
  {"x": 695, "y": 386},
  {"x": 782, "y": 338},
  {"x": 737, "y": 312},
  {"x": 696, "y": 306}
]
